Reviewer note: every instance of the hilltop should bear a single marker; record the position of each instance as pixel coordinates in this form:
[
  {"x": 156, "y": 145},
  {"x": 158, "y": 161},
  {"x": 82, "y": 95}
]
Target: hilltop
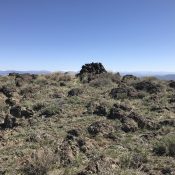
[{"x": 95, "y": 122}]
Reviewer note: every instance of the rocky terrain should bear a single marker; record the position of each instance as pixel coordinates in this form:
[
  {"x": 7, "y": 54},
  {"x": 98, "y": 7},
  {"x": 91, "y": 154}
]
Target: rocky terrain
[{"x": 95, "y": 122}]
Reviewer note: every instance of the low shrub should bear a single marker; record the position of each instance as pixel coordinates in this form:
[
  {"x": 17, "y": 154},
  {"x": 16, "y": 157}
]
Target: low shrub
[{"x": 165, "y": 146}]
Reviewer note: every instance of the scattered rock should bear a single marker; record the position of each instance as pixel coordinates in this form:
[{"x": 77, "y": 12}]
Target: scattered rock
[
  {"x": 129, "y": 126},
  {"x": 101, "y": 110},
  {"x": 143, "y": 122},
  {"x": 62, "y": 83},
  {"x": 27, "y": 113},
  {"x": 127, "y": 115},
  {"x": 117, "y": 113},
  {"x": 10, "y": 102},
  {"x": 67, "y": 153},
  {"x": 148, "y": 87},
  {"x": 72, "y": 134},
  {"x": 19, "y": 82},
  {"x": 167, "y": 171},
  {"x": 100, "y": 127},
  {"x": 124, "y": 92},
  {"x": 9, "y": 122},
  {"x": 168, "y": 122},
  {"x": 100, "y": 165},
  {"x": 111, "y": 136},
  {"x": 119, "y": 93},
  {"x": 172, "y": 99},
  {"x": 16, "y": 111},
  {"x": 123, "y": 107},
  {"x": 172, "y": 84},
  {"x": 157, "y": 109},
  {"x": 21, "y": 79},
  {"x": 129, "y": 78},
  {"x": 75, "y": 92},
  {"x": 56, "y": 95},
  {"x": 7, "y": 91}
]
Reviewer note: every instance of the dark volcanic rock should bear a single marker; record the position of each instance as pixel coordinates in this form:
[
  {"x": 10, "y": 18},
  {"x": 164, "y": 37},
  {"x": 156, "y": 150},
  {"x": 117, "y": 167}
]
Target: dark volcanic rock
[
  {"x": 88, "y": 71},
  {"x": 75, "y": 92},
  {"x": 72, "y": 134},
  {"x": 99, "y": 127},
  {"x": 20, "y": 79},
  {"x": 92, "y": 68},
  {"x": 168, "y": 122},
  {"x": 129, "y": 126},
  {"x": 101, "y": 110},
  {"x": 143, "y": 122},
  {"x": 124, "y": 92},
  {"x": 99, "y": 165},
  {"x": 67, "y": 155},
  {"x": 7, "y": 91},
  {"x": 27, "y": 113},
  {"x": 119, "y": 93},
  {"x": 148, "y": 87},
  {"x": 172, "y": 99},
  {"x": 62, "y": 83},
  {"x": 16, "y": 111},
  {"x": 117, "y": 113},
  {"x": 122, "y": 107},
  {"x": 130, "y": 119},
  {"x": 172, "y": 84},
  {"x": 10, "y": 101},
  {"x": 129, "y": 77},
  {"x": 9, "y": 122}
]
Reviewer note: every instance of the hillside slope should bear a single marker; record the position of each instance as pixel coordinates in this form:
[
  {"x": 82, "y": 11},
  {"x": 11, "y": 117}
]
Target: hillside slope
[{"x": 93, "y": 123}]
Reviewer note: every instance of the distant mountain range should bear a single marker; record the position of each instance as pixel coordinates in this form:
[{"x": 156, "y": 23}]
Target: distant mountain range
[
  {"x": 159, "y": 75},
  {"x": 23, "y": 72}
]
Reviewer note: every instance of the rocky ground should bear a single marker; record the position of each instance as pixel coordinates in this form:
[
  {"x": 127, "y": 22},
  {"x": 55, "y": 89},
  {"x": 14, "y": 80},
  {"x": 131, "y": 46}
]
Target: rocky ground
[{"x": 95, "y": 122}]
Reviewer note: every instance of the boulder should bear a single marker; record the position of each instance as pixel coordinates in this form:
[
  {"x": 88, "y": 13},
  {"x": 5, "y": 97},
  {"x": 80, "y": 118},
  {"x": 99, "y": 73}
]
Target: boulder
[
  {"x": 143, "y": 122},
  {"x": 172, "y": 84},
  {"x": 9, "y": 122},
  {"x": 89, "y": 70},
  {"x": 7, "y": 91},
  {"x": 124, "y": 92},
  {"x": 21, "y": 79},
  {"x": 100, "y": 127},
  {"x": 92, "y": 68},
  {"x": 119, "y": 93},
  {"x": 129, "y": 126},
  {"x": 101, "y": 110},
  {"x": 10, "y": 102},
  {"x": 99, "y": 165},
  {"x": 148, "y": 86},
  {"x": 172, "y": 99},
  {"x": 27, "y": 113},
  {"x": 167, "y": 122},
  {"x": 75, "y": 92},
  {"x": 16, "y": 111},
  {"x": 127, "y": 78},
  {"x": 117, "y": 113},
  {"x": 72, "y": 134}
]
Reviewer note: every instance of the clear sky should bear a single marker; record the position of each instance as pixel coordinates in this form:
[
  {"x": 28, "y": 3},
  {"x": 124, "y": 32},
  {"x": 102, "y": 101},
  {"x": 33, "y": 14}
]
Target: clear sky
[{"x": 125, "y": 35}]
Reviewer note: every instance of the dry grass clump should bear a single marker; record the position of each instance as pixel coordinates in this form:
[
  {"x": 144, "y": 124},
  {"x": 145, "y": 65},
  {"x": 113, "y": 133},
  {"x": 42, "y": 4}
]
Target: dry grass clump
[
  {"x": 40, "y": 162},
  {"x": 166, "y": 146},
  {"x": 58, "y": 76}
]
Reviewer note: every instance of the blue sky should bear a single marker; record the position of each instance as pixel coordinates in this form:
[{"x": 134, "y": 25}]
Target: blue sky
[{"x": 125, "y": 35}]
